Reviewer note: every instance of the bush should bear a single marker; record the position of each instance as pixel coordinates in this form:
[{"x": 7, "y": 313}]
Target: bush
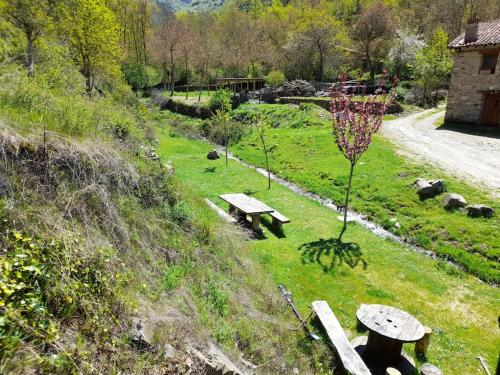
[
  {"x": 141, "y": 76},
  {"x": 275, "y": 78},
  {"x": 221, "y": 100}
]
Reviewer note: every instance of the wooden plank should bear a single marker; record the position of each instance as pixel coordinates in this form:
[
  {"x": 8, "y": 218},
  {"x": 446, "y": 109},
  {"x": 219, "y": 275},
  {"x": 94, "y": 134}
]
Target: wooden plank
[
  {"x": 246, "y": 204},
  {"x": 221, "y": 212},
  {"x": 280, "y": 217},
  {"x": 351, "y": 360}
]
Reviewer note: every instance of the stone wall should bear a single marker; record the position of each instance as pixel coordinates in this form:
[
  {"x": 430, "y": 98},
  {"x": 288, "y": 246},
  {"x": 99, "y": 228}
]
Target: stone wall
[{"x": 465, "y": 103}]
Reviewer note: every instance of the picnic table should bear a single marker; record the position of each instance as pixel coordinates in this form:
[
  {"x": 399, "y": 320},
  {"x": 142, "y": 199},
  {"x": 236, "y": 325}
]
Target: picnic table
[
  {"x": 250, "y": 206},
  {"x": 389, "y": 328}
]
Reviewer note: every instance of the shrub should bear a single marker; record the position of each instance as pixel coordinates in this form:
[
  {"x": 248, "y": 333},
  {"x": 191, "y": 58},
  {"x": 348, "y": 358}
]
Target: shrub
[
  {"x": 221, "y": 101},
  {"x": 275, "y": 78}
]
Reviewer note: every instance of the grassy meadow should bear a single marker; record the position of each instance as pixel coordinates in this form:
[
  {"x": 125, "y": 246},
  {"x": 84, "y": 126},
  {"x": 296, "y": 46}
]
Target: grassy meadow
[
  {"x": 302, "y": 150},
  {"x": 461, "y": 310}
]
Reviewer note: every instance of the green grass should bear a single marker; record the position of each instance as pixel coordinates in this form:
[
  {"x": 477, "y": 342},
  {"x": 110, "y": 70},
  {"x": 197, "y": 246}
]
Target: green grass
[
  {"x": 303, "y": 151},
  {"x": 461, "y": 310}
]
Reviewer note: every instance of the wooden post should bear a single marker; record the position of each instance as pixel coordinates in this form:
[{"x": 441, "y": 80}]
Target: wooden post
[
  {"x": 392, "y": 371},
  {"x": 422, "y": 344},
  {"x": 256, "y": 222}
]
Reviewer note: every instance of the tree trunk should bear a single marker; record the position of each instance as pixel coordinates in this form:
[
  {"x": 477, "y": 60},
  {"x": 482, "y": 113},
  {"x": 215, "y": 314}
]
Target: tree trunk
[
  {"x": 172, "y": 67},
  {"x": 267, "y": 162},
  {"x": 346, "y": 206},
  {"x": 31, "y": 59},
  {"x": 227, "y": 151}
]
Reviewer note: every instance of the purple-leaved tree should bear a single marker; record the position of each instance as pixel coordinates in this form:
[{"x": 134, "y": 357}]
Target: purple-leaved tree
[{"x": 355, "y": 120}]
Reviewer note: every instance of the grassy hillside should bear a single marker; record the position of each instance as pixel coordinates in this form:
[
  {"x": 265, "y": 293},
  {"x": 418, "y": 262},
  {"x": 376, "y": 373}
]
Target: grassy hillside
[
  {"x": 95, "y": 232},
  {"x": 461, "y": 310}
]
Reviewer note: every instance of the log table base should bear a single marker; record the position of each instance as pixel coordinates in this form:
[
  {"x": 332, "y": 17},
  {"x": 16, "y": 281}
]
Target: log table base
[{"x": 383, "y": 349}]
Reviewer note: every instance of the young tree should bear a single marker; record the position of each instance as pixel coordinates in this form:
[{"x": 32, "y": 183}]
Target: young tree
[
  {"x": 433, "y": 64},
  {"x": 354, "y": 123},
  {"x": 374, "y": 30},
  {"x": 93, "y": 34},
  {"x": 262, "y": 127},
  {"x": 32, "y": 18}
]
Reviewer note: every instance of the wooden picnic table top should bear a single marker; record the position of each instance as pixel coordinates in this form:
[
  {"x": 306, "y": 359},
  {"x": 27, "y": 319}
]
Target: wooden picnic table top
[
  {"x": 391, "y": 322},
  {"x": 246, "y": 204}
]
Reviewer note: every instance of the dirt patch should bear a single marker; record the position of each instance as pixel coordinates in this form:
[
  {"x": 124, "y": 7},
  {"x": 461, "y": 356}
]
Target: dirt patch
[{"x": 475, "y": 158}]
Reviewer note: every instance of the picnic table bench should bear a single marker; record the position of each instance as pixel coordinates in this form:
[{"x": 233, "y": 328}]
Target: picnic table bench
[
  {"x": 242, "y": 205},
  {"x": 350, "y": 359}
]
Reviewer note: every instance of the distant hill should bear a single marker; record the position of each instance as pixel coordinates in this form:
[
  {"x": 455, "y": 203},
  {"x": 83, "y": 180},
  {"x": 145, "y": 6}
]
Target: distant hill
[{"x": 176, "y": 5}]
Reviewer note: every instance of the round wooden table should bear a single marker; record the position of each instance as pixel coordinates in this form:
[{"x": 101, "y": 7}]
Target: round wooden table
[{"x": 389, "y": 329}]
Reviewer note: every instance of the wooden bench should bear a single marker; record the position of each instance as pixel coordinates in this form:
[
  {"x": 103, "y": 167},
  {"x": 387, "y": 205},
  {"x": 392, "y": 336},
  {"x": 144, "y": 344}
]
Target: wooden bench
[
  {"x": 278, "y": 219},
  {"x": 352, "y": 362},
  {"x": 221, "y": 212}
]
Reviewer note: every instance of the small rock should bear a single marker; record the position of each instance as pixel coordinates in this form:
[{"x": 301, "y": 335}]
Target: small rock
[
  {"x": 478, "y": 210},
  {"x": 453, "y": 200},
  {"x": 428, "y": 369},
  {"x": 213, "y": 155},
  {"x": 428, "y": 189},
  {"x": 141, "y": 333},
  {"x": 169, "y": 352},
  {"x": 169, "y": 168}
]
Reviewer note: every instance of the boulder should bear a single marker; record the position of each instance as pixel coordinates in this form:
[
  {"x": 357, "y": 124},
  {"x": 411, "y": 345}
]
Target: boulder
[
  {"x": 141, "y": 333},
  {"x": 297, "y": 87},
  {"x": 216, "y": 362},
  {"x": 428, "y": 189},
  {"x": 213, "y": 155},
  {"x": 453, "y": 200},
  {"x": 478, "y": 210},
  {"x": 428, "y": 369},
  {"x": 268, "y": 95}
]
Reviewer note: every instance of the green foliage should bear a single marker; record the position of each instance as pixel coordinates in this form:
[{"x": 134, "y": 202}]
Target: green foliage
[
  {"x": 433, "y": 64},
  {"x": 275, "y": 78},
  {"x": 221, "y": 100},
  {"x": 93, "y": 33},
  {"x": 140, "y": 76},
  {"x": 172, "y": 277},
  {"x": 278, "y": 115},
  {"x": 217, "y": 298},
  {"x": 41, "y": 282}
]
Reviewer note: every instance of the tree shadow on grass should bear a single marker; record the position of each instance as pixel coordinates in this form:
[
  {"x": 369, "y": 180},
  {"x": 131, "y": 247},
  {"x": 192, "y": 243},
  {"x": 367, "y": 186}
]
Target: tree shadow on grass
[
  {"x": 210, "y": 170},
  {"x": 332, "y": 253}
]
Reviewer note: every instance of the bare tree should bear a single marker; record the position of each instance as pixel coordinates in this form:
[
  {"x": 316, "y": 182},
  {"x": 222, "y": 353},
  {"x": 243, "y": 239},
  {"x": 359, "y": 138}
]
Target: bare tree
[{"x": 166, "y": 45}]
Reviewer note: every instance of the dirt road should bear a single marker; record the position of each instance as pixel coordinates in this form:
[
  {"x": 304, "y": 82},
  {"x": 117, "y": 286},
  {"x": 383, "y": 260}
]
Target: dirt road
[{"x": 475, "y": 158}]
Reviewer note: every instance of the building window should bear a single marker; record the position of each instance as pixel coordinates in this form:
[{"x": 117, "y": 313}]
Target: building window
[{"x": 489, "y": 63}]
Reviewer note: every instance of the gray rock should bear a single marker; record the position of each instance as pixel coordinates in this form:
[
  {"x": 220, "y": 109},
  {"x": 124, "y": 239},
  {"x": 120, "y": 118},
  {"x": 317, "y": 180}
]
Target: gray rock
[
  {"x": 169, "y": 352},
  {"x": 216, "y": 362},
  {"x": 428, "y": 189},
  {"x": 453, "y": 200},
  {"x": 478, "y": 210},
  {"x": 213, "y": 155},
  {"x": 297, "y": 87},
  {"x": 141, "y": 333},
  {"x": 428, "y": 369}
]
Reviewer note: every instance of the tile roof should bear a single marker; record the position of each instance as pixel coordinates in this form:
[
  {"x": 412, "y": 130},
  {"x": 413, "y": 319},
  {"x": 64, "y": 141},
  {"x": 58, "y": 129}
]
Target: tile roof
[{"x": 488, "y": 34}]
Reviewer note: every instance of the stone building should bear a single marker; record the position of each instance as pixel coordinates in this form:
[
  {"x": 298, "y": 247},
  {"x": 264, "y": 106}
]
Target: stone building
[{"x": 474, "y": 93}]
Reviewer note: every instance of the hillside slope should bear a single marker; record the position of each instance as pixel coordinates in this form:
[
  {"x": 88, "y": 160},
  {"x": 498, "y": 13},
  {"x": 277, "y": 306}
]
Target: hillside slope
[{"x": 107, "y": 263}]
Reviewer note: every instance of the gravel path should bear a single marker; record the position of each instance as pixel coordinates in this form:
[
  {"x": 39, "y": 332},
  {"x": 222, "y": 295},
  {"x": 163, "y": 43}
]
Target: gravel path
[{"x": 475, "y": 158}]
